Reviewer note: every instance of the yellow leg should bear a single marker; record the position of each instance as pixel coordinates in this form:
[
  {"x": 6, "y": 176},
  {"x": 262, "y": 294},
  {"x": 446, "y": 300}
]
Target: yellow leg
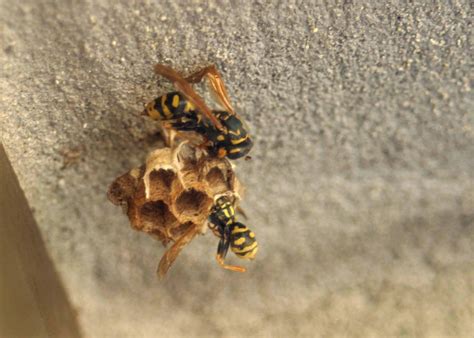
[{"x": 235, "y": 268}]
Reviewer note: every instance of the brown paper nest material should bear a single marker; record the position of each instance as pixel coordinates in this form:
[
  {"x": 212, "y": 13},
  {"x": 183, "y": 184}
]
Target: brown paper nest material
[{"x": 174, "y": 191}]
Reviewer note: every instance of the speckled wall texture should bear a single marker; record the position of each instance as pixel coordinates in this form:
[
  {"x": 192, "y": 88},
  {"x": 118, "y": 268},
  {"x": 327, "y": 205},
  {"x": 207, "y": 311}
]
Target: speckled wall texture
[{"x": 360, "y": 187}]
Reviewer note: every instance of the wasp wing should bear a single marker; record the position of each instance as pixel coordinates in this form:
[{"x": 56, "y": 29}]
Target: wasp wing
[
  {"x": 217, "y": 85},
  {"x": 172, "y": 253}
]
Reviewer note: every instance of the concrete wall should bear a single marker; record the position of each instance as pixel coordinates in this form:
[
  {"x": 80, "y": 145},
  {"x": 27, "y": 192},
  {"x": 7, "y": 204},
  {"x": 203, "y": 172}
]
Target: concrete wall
[{"x": 360, "y": 188}]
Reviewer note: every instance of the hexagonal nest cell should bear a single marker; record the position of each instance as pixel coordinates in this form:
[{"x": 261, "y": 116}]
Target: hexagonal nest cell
[{"x": 174, "y": 191}]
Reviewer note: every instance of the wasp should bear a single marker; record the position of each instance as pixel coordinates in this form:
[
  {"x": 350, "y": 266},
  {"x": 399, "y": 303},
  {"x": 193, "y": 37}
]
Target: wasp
[
  {"x": 241, "y": 239},
  {"x": 222, "y": 221},
  {"x": 184, "y": 110}
]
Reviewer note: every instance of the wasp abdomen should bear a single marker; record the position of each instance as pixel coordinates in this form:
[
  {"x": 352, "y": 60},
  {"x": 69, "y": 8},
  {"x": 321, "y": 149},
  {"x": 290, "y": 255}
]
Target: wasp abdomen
[
  {"x": 243, "y": 242},
  {"x": 174, "y": 109}
]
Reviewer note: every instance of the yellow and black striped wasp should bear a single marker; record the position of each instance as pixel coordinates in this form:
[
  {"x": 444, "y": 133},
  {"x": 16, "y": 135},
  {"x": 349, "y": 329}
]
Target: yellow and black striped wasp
[
  {"x": 241, "y": 239},
  {"x": 184, "y": 110}
]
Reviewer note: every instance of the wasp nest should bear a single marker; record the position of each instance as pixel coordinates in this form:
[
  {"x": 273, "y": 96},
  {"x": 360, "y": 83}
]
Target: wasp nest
[{"x": 174, "y": 191}]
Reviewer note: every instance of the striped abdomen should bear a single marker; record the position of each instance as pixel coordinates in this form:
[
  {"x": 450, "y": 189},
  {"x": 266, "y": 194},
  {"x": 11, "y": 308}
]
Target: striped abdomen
[
  {"x": 174, "y": 110},
  {"x": 243, "y": 242}
]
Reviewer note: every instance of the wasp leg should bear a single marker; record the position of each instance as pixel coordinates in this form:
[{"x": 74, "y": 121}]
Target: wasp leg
[
  {"x": 187, "y": 90},
  {"x": 235, "y": 268},
  {"x": 222, "y": 249},
  {"x": 217, "y": 85},
  {"x": 214, "y": 229},
  {"x": 204, "y": 145}
]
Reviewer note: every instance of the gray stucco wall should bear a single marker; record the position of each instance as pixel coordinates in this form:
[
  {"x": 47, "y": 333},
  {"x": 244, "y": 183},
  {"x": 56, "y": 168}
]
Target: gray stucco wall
[{"x": 360, "y": 188}]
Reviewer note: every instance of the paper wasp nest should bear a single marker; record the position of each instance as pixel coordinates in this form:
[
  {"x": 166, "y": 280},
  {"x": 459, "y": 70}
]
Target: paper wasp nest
[{"x": 173, "y": 192}]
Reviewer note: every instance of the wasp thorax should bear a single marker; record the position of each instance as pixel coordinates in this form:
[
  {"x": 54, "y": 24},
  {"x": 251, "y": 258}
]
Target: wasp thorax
[
  {"x": 223, "y": 212},
  {"x": 243, "y": 242},
  {"x": 233, "y": 141}
]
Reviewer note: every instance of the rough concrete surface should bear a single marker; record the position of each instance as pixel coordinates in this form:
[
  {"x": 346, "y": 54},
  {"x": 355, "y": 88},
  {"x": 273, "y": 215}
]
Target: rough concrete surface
[{"x": 360, "y": 187}]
